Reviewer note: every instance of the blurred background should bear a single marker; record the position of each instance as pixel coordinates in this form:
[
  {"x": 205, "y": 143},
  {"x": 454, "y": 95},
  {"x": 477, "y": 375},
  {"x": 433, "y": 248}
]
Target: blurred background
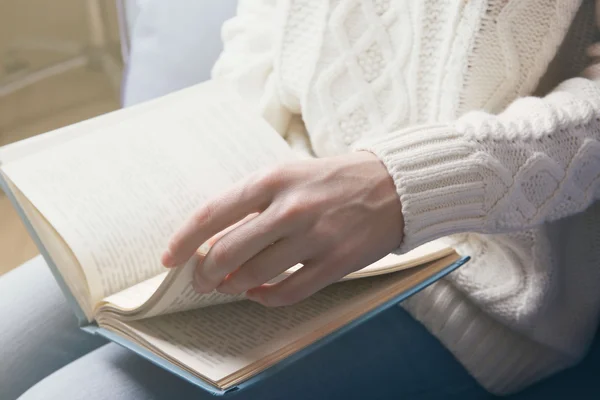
[
  {"x": 60, "y": 63},
  {"x": 64, "y": 61}
]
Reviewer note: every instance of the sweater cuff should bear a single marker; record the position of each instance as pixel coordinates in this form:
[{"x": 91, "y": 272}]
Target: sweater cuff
[{"x": 438, "y": 178}]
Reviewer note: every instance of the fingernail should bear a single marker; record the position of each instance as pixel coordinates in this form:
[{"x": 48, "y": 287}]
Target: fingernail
[
  {"x": 201, "y": 284},
  {"x": 167, "y": 259},
  {"x": 197, "y": 287},
  {"x": 225, "y": 286},
  {"x": 222, "y": 288}
]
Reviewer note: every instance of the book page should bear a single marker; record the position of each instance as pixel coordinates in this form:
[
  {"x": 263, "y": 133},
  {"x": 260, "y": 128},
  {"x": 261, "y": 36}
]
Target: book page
[
  {"x": 178, "y": 294},
  {"x": 186, "y": 298},
  {"x": 134, "y": 297},
  {"x": 173, "y": 292},
  {"x": 165, "y": 293},
  {"x": 219, "y": 341},
  {"x": 423, "y": 254},
  {"x": 229, "y": 342},
  {"x": 118, "y": 193},
  {"x": 64, "y": 261}
]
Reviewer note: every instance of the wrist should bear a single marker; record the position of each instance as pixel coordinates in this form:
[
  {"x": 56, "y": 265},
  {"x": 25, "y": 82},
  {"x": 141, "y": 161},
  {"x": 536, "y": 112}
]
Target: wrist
[
  {"x": 438, "y": 179},
  {"x": 384, "y": 188}
]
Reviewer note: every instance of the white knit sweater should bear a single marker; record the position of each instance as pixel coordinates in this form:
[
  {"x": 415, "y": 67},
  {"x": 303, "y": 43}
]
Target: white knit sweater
[{"x": 486, "y": 114}]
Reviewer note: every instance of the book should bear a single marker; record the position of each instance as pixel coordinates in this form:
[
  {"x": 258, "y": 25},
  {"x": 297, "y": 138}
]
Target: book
[{"x": 102, "y": 197}]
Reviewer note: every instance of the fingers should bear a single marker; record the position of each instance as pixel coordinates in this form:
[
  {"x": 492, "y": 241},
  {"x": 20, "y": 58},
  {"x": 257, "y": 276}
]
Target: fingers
[
  {"x": 265, "y": 266},
  {"x": 236, "y": 248},
  {"x": 219, "y": 235},
  {"x": 215, "y": 216},
  {"x": 301, "y": 284}
]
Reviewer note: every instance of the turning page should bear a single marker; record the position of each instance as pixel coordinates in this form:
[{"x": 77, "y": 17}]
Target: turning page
[
  {"x": 172, "y": 291},
  {"x": 116, "y": 193},
  {"x": 166, "y": 293}
]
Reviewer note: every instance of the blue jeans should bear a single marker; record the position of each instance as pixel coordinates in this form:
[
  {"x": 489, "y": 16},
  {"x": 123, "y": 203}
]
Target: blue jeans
[{"x": 43, "y": 355}]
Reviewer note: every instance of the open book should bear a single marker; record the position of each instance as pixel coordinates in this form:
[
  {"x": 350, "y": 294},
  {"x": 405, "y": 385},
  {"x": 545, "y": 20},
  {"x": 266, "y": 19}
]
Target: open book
[{"x": 102, "y": 197}]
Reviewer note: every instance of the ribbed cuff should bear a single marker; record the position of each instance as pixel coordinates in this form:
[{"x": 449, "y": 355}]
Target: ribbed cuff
[
  {"x": 502, "y": 361},
  {"x": 438, "y": 178}
]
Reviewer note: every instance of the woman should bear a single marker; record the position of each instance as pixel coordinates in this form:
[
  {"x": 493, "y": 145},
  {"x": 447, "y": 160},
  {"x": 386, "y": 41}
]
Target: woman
[{"x": 473, "y": 121}]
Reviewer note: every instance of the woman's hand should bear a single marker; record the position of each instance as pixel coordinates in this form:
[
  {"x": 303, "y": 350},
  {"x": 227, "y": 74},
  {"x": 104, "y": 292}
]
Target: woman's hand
[{"x": 333, "y": 215}]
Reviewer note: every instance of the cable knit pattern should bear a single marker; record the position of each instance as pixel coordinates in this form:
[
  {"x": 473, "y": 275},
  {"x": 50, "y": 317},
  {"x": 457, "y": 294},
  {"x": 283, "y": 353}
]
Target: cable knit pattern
[
  {"x": 536, "y": 162},
  {"x": 488, "y": 122}
]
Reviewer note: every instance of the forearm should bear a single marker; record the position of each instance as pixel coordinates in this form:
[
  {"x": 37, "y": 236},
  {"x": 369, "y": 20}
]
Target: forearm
[{"x": 537, "y": 161}]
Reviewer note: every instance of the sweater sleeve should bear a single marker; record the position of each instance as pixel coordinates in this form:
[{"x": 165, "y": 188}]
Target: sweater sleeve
[
  {"x": 535, "y": 162},
  {"x": 247, "y": 59}
]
